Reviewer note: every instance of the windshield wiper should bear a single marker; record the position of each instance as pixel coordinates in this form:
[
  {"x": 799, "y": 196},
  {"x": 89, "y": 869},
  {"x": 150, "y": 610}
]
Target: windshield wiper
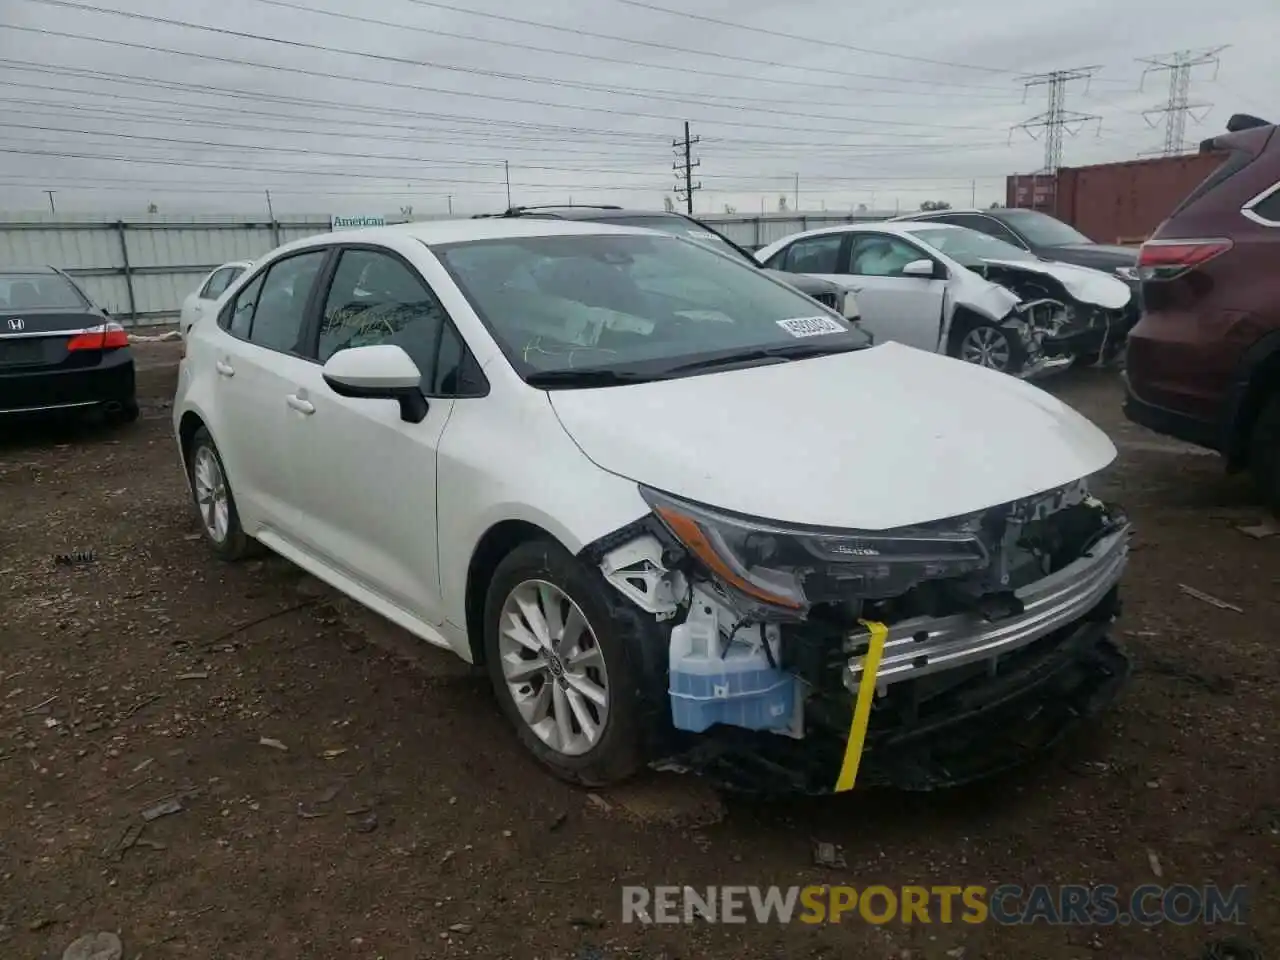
[
  {"x": 586, "y": 378},
  {"x": 781, "y": 353}
]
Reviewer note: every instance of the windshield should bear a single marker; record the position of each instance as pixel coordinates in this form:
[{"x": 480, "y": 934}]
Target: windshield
[
  {"x": 969, "y": 247},
  {"x": 637, "y": 305},
  {"x": 38, "y": 291},
  {"x": 1041, "y": 229},
  {"x": 684, "y": 228}
]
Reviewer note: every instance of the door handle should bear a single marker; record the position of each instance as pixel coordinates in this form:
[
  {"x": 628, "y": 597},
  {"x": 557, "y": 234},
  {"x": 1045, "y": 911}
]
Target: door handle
[
  {"x": 225, "y": 369},
  {"x": 302, "y": 406}
]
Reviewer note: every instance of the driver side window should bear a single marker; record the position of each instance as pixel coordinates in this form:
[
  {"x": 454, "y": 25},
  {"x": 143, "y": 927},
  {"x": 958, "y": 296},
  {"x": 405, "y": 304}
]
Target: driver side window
[
  {"x": 875, "y": 255},
  {"x": 376, "y": 298}
]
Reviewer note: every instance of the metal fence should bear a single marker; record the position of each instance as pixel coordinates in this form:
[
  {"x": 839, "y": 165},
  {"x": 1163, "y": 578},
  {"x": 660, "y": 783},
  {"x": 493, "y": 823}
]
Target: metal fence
[{"x": 142, "y": 268}]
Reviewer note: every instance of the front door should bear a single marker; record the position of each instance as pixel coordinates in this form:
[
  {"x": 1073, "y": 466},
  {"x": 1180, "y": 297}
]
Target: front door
[
  {"x": 365, "y": 478},
  {"x": 894, "y": 306}
]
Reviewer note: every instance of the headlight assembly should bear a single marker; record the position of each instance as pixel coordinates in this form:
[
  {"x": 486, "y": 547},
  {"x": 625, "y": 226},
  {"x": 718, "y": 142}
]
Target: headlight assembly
[{"x": 769, "y": 563}]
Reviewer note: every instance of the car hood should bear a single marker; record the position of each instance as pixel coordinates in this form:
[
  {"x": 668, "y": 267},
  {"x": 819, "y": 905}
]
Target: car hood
[
  {"x": 1084, "y": 283},
  {"x": 1102, "y": 256},
  {"x": 874, "y": 439}
]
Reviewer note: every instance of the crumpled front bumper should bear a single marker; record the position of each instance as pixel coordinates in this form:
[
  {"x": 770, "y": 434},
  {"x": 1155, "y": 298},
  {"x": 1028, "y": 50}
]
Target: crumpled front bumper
[
  {"x": 956, "y": 699},
  {"x": 921, "y": 646}
]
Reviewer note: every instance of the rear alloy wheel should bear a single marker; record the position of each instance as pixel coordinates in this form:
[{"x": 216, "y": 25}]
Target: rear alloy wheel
[
  {"x": 214, "y": 501},
  {"x": 987, "y": 345},
  {"x": 559, "y": 660}
]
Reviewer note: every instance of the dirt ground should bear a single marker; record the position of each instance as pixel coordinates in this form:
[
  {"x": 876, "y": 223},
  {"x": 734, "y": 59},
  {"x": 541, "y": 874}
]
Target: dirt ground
[{"x": 392, "y": 814}]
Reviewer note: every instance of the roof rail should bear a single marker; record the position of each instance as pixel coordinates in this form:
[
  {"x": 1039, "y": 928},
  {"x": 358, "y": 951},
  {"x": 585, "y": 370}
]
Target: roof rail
[{"x": 516, "y": 211}]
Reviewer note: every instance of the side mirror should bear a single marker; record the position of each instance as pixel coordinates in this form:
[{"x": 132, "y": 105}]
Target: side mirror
[
  {"x": 380, "y": 372},
  {"x": 919, "y": 268},
  {"x": 849, "y": 309}
]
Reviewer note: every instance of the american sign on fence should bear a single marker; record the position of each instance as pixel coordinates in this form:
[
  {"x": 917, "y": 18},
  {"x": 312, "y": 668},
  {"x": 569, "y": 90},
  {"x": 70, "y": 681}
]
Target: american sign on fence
[{"x": 346, "y": 223}]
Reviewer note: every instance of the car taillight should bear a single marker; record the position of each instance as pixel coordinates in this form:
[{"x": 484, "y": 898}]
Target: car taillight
[
  {"x": 108, "y": 336},
  {"x": 1167, "y": 259}
]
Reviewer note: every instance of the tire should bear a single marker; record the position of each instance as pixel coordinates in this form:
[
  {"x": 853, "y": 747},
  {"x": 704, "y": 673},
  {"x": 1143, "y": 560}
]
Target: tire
[
  {"x": 1264, "y": 452},
  {"x": 625, "y": 640},
  {"x": 128, "y": 413},
  {"x": 205, "y": 470},
  {"x": 975, "y": 334}
]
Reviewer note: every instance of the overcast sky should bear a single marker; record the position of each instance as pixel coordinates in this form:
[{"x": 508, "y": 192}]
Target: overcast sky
[{"x": 419, "y": 103}]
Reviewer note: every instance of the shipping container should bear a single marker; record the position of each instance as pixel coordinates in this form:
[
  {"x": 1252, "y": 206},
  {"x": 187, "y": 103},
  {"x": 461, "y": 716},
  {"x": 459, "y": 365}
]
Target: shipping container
[{"x": 1117, "y": 202}]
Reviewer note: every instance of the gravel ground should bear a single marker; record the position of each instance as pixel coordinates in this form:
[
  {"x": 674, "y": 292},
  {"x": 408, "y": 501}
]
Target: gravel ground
[{"x": 335, "y": 789}]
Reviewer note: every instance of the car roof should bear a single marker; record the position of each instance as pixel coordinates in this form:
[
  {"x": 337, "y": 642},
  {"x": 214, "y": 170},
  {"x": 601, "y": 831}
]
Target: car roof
[{"x": 432, "y": 232}]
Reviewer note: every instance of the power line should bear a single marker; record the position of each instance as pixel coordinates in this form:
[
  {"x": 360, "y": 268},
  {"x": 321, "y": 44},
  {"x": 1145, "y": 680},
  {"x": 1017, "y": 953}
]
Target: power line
[
  {"x": 345, "y": 171},
  {"x": 113, "y": 113},
  {"x": 684, "y": 167},
  {"x": 528, "y": 130},
  {"x": 811, "y": 41},
  {"x": 672, "y": 48},
  {"x": 1057, "y": 118},
  {"x": 619, "y": 61},
  {"x": 388, "y": 58},
  {"x": 1178, "y": 106},
  {"x": 422, "y": 88}
]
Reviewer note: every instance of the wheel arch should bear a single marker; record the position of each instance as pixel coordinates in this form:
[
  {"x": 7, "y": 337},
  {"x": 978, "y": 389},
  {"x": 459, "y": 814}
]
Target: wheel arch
[
  {"x": 496, "y": 542},
  {"x": 1257, "y": 379},
  {"x": 188, "y": 426}
]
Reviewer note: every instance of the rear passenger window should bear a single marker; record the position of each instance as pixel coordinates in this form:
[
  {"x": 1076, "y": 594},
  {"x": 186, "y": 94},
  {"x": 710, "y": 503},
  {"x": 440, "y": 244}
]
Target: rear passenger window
[
  {"x": 238, "y": 317},
  {"x": 282, "y": 304},
  {"x": 219, "y": 282}
]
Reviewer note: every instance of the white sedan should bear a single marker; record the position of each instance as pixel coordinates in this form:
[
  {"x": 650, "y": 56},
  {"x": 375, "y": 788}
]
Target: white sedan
[
  {"x": 953, "y": 290},
  {"x": 638, "y": 481},
  {"x": 213, "y": 286}
]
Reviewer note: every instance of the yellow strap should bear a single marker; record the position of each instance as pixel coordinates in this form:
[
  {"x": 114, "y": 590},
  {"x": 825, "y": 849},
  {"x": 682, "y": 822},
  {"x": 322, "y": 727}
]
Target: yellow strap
[{"x": 862, "y": 706}]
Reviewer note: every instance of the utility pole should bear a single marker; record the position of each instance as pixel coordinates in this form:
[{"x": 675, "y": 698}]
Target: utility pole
[
  {"x": 52, "y": 208},
  {"x": 1177, "y": 106},
  {"x": 449, "y": 200},
  {"x": 683, "y": 168},
  {"x": 973, "y": 193},
  {"x": 1057, "y": 118},
  {"x": 270, "y": 212},
  {"x": 506, "y": 170},
  {"x": 795, "y": 197}
]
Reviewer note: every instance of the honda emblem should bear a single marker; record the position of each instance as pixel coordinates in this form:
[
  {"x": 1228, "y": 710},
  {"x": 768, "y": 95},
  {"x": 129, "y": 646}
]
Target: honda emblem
[{"x": 15, "y": 323}]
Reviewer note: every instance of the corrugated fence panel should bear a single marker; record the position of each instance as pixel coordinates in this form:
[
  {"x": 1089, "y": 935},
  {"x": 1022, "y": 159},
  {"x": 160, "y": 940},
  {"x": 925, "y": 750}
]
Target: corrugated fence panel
[{"x": 167, "y": 255}]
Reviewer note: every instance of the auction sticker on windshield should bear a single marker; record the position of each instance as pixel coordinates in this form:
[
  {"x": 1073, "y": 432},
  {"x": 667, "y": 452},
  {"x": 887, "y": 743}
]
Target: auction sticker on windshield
[{"x": 811, "y": 326}]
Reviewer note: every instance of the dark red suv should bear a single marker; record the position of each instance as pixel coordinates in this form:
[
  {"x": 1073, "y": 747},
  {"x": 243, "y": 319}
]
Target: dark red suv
[{"x": 1203, "y": 363}]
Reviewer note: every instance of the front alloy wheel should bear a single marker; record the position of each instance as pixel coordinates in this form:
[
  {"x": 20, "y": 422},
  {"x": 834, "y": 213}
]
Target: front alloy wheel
[
  {"x": 986, "y": 346},
  {"x": 578, "y": 672},
  {"x": 553, "y": 666}
]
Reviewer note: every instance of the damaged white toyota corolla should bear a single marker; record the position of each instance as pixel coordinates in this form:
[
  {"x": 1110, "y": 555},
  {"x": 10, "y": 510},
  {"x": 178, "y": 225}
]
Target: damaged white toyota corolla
[
  {"x": 956, "y": 291},
  {"x": 681, "y": 514}
]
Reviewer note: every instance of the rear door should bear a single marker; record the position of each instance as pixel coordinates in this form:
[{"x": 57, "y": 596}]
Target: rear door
[
  {"x": 259, "y": 354},
  {"x": 894, "y": 306}
]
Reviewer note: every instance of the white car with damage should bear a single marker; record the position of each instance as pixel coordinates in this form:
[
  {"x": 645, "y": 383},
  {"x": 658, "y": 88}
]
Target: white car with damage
[
  {"x": 678, "y": 512},
  {"x": 956, "y": 291}
]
